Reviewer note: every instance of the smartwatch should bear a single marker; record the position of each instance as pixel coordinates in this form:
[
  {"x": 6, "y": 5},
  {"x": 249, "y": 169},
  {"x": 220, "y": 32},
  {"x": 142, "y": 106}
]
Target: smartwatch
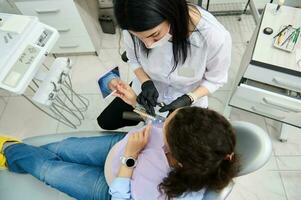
[{"x": 128, "y": 161}]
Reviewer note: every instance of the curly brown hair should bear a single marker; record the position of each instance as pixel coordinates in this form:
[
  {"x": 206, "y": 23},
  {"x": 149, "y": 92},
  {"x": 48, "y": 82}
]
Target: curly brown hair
[{"x": 199, "y": 139}]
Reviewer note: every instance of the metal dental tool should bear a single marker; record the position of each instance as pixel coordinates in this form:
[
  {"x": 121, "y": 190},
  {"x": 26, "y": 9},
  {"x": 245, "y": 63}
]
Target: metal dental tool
[{"x": 147, "y": 117}]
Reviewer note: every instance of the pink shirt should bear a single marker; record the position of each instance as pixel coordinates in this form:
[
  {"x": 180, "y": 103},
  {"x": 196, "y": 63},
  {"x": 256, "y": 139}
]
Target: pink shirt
[{"x": 151, "y": 168}]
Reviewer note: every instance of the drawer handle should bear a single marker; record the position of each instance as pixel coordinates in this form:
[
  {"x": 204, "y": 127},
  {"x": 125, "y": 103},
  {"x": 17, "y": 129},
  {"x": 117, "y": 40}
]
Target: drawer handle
[
  {"x": 69, "y": 46},
  {"x": 46, "y": 11},
  {"x": 283, "y": 82},
  {"x": 266, "y": 114},
  {"x": 279, "y": 104},
  {"x": 64, "y": 30}
]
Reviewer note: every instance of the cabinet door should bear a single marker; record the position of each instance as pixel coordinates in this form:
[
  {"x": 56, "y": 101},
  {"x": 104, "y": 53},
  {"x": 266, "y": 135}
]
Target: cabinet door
[
  {"x": 49, "y": 9},
  {"x": 63, "y": 16},
  {"x": 73, "y": 44}
]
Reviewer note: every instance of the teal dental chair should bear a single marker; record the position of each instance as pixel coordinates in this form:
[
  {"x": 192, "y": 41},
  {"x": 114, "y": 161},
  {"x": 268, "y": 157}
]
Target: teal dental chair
[{"x": 253, "y": 146}]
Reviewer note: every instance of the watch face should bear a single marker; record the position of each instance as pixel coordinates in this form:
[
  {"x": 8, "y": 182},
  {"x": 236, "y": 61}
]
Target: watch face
[{"x": 130, "y": 162}]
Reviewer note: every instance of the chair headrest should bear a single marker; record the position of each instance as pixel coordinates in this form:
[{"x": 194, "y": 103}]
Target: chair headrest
[{"x": 253, "y": 145}]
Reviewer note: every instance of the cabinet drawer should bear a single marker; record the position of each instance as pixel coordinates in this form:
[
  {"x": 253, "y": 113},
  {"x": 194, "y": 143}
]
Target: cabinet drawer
[
  {"x": 68, "y": 28},
  {"x": 73, "y": 45},
  {"x": 269, "y": 104},
  {"x": 56, "y": 10},
  {"x": 272, "y": 77}
]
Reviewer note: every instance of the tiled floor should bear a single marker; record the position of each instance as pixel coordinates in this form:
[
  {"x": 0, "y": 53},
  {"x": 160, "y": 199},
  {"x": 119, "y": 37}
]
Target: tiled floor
[{"x": 278, "y": 180}]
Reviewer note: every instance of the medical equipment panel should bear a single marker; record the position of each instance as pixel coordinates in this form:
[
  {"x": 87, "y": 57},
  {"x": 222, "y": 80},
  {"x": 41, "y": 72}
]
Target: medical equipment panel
[
  {"x": 44, "y": 37},
  {"x": 21, "y": 66},
  {"x": 24, "y": 43}
]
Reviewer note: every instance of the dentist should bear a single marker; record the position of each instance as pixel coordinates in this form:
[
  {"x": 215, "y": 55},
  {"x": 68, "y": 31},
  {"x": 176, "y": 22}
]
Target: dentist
[{"x": 179, "y": 53}]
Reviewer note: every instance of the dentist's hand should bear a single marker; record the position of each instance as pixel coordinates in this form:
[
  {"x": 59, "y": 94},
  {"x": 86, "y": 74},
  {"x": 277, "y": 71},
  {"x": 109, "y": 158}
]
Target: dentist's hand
[
  {"x": 148, "y": 97},
  {"x": 182, "y": 101},
  {"x": 114, "y": 83},
  {"x": 126, "y": 93}
]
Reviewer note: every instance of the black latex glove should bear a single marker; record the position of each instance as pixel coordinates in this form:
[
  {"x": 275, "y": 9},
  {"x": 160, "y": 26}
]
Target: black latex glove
[
  {"x": 148, "y": 97},
  {"x": 148, "y": 108},
  {"x": 182, "y": 101}
]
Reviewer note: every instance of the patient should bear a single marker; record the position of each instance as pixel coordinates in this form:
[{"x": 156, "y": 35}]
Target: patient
[{"x": 192, "y": 151}]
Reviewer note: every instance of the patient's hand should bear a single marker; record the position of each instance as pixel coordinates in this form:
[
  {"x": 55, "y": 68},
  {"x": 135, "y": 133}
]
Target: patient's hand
[
  {"x": 137, "y": 141},
  {"x": 126, "y": 93}
]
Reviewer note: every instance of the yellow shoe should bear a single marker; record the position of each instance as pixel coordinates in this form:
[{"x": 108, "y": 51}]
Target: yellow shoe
[
  {"x": 2, "y": 162},
  {"x": 4, "y": 139}
]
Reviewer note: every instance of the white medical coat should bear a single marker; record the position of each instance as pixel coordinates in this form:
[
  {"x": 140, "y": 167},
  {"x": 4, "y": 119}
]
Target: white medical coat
[{"x": 207, "y": 65}]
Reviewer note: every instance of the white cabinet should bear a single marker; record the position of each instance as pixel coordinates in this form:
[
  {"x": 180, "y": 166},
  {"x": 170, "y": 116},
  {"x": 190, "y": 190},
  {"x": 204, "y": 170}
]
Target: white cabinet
[
  {"x": 269, "y": 79},
  {"x": 267, "y": 103},
  {"x": 272, "y": 77},
  {"x": 63, "y": 16}
]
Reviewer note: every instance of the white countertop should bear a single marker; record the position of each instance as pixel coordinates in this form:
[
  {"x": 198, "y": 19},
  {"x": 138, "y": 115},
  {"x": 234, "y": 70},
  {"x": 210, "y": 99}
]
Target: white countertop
[{"x": 265, "y": 54}]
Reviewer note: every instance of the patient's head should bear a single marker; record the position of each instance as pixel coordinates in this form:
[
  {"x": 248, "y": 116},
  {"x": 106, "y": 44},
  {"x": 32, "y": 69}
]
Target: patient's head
[{"x": 202, "y": 141}]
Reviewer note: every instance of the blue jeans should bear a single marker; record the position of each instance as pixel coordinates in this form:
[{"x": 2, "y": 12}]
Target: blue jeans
[{"x": 74, "y": 166}]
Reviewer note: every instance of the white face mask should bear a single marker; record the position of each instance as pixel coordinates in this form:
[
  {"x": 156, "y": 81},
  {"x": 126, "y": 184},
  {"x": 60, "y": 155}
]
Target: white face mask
[{"x": 161, "y": 42}]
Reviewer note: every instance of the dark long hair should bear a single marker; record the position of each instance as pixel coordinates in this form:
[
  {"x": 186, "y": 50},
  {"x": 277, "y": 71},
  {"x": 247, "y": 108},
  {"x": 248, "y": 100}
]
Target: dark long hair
[
  {"x": 199, "y": 139},
  {"x": 142, "y": 15}
]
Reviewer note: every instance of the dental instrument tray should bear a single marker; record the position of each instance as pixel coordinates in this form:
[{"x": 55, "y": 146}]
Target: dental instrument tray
[
  {"x": 24, "y": 42},
  {"x": 287, "y": 38}
]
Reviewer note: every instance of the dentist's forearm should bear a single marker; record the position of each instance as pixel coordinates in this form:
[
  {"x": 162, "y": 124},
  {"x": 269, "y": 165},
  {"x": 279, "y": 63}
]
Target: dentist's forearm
[
  {"x": 200, "y": 92},
  {"x": 141, "y": 75},
  {"x": 134, "y": 104}
]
